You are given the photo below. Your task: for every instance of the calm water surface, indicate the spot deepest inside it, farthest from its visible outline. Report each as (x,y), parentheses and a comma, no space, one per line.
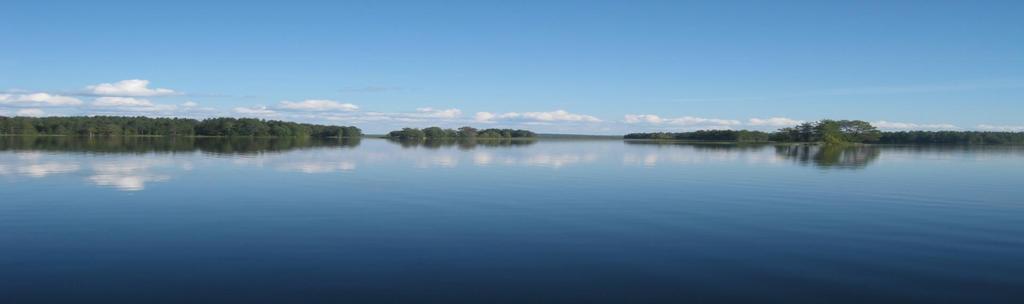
(285,221)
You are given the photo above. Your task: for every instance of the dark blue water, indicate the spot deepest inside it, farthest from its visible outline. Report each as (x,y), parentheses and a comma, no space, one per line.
(285,221)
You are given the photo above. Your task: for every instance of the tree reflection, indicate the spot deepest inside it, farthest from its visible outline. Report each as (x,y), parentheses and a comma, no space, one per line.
(830,156)
(218,145)
(702,146)
(463,144)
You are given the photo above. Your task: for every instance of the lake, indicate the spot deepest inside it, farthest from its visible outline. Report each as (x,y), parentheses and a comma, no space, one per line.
(153,220)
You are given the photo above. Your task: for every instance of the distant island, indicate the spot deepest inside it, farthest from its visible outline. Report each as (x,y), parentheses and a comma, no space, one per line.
(146,126)
(839,132)
(461,133)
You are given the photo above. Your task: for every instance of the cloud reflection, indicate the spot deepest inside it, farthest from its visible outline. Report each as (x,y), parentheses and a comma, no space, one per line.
(313,167)
(550,160)
(45,169)
(126,176)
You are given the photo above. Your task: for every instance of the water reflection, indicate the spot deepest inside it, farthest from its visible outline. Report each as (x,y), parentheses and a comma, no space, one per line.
(464,144)
(830,156)
(128,175)
(317,167)
(653,153)
(536,159)
(701,146)
(45,169)
(134,164)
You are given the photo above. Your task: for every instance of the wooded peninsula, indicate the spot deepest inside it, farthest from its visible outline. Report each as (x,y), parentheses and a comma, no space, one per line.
(463,132)
(146,126)
(838,132)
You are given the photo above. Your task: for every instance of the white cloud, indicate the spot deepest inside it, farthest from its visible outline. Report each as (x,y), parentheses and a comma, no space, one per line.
(257,110)
(778,122)
(130,87)
(892,125)
(643,118)
(484,116)
(130,104)
(435,113)
(318,105)
(193,107)
(559,115)
(426,114)
(38,99)
(1001,128)
(30,112)
(685,121)
(553,116)
(121,102)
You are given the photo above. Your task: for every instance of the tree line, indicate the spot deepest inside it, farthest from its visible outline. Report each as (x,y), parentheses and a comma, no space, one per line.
(838,132)
(146,126)
(463,133)
(150,144)
(706,135)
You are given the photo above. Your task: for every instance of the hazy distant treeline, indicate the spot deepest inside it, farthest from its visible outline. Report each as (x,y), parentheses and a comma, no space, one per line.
(463,132)
(840,131)
(145,126)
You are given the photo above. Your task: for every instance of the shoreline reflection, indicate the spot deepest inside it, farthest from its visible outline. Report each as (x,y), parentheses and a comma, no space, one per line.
(830,156)
(463,144)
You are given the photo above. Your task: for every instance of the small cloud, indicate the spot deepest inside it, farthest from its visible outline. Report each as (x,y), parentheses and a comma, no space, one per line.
(685,121)
(193,107)
(484,116)
(777,122)
(446,113)
(535,117)
(425,114)
(559,115)
(38,99)
(892,125)
(121,102)
(130,87)
(318,105)
(257,110)
(30,112)
(131,104)
(1001,128)
(643,118)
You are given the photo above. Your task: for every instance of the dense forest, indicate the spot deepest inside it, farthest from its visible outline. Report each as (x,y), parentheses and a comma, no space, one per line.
(952,137)
(171,144)
(463,132)
(145,126)
(706,135)
(841,131)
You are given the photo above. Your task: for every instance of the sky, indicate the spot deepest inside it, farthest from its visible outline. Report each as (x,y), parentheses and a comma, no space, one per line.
(587,67)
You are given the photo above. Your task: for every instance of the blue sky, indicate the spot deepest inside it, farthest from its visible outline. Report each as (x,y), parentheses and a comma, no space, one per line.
(568,66)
